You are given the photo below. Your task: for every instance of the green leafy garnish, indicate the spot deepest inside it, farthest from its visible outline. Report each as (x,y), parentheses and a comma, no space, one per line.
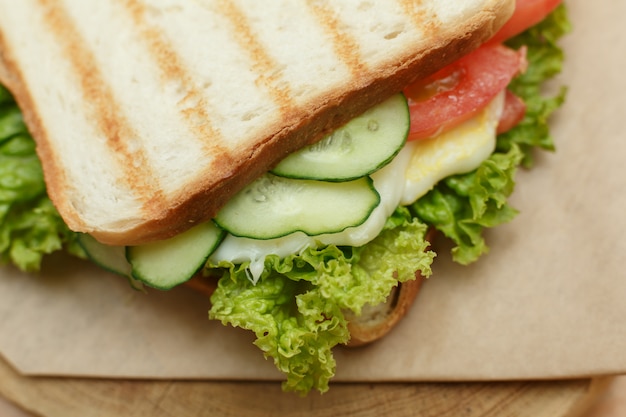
(296,308)
(462,206)
(545,59)
(30,226)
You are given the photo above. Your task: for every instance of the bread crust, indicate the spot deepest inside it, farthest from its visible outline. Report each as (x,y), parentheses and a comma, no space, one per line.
(374,324)
(369,327)
(201,200)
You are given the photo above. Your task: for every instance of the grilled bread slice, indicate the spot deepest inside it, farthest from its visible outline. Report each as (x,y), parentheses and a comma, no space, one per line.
(150,115)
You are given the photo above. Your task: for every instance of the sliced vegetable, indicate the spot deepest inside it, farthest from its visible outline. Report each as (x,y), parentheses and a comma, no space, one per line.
(274,206)
(459,91)
(527,13)
(168,263)
(110,258)
(359,148)
(162,264)
(513,112)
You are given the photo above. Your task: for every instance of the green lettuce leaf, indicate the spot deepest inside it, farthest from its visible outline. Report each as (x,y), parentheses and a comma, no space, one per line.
(462,206)
(296,309)
(30,226)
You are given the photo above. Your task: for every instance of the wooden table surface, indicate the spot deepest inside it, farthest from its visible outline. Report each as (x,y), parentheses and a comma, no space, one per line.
(66,397)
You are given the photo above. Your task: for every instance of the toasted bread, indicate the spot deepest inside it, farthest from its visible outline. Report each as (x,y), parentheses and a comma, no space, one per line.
(376,321)
(149,116)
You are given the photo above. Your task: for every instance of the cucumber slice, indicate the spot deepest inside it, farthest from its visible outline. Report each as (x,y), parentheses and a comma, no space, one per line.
(168,263)
(110,258)
(274,206)
(359,148)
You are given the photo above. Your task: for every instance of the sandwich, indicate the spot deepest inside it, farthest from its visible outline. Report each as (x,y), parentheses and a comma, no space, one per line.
(292,159)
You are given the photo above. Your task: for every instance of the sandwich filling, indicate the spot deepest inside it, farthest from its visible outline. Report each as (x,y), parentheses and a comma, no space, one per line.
(409,176)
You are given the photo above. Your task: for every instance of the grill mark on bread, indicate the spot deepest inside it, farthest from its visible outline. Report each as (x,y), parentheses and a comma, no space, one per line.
(263,64)
(345,46)
(423,17)
(193,106)
(103,109)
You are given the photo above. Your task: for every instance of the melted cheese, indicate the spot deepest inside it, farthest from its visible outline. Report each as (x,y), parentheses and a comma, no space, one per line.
(412,173)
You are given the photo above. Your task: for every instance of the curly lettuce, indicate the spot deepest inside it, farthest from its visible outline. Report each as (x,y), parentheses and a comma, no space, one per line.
(545,59)
(30,226)
(462,206)
(296,309)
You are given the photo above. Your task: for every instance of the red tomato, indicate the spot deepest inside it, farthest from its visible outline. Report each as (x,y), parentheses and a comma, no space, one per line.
(527,13)
(460,90)
(512,114)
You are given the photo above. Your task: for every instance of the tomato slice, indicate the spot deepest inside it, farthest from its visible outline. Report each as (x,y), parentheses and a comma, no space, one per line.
(513,112)
(460,90)
(527,13)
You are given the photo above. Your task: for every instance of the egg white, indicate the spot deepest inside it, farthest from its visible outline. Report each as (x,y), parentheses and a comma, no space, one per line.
(412,173)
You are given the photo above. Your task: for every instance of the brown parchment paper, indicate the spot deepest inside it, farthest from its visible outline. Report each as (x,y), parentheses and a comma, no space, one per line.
(548,301)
